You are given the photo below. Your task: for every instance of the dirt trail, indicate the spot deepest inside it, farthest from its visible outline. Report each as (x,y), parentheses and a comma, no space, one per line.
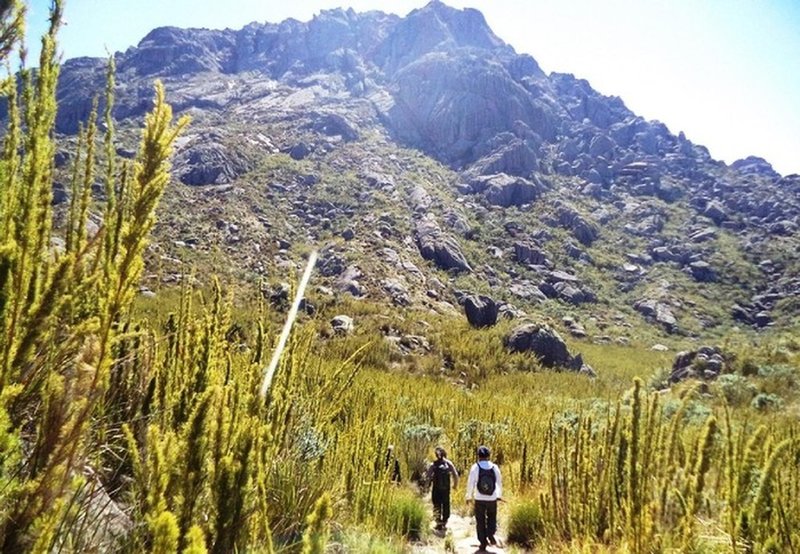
(461,535)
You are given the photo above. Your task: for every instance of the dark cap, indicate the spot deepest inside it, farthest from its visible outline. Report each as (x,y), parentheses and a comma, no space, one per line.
(483,452)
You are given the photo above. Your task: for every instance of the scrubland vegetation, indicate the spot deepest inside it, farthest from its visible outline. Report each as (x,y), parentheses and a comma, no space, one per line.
(138,426)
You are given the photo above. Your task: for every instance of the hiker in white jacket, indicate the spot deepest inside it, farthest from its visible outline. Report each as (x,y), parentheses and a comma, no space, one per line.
(485,486)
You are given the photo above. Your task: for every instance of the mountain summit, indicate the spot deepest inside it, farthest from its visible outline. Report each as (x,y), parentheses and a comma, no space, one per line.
(430,143)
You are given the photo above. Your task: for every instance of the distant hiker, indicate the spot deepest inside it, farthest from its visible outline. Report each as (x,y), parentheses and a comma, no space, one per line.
(438,475)
(388,465)
(485,485)
(392,464)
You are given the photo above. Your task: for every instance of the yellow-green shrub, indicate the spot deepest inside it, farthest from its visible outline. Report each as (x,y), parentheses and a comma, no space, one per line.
(525,523)
(406,514)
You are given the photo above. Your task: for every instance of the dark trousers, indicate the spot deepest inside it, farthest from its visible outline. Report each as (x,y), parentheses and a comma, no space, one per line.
(441,505)
(485,520)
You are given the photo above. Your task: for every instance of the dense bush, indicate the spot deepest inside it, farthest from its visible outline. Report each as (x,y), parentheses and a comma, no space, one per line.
(418,439)
(778,378)
(737,390)
(765,402)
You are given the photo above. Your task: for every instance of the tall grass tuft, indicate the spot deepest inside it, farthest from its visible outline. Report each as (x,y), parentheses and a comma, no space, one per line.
(406,514)
(525,524)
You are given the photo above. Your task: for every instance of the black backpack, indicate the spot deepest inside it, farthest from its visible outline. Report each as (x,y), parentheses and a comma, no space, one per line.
(486,481)
(441,475)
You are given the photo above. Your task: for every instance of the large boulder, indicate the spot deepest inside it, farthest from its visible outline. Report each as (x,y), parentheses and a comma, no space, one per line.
(751,314)
(646,226)
(570,293)
(702,271)
(109,522)
(716,212)
(333,124)
(703,235)
(543,341)
(601,145)
(420,199)
(546,344)
(526,253)
(481,311)
(331,264)
(753,165)
(663,254)
(60,194)
(527,290)
(505,190)
(440,248)
(348,281)
(657,312)
(517,157)
(397,291)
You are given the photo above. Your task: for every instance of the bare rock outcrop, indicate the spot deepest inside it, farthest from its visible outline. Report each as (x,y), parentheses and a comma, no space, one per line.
(439,247)
(657,312)
(546,344)
(707,362)
(208,161)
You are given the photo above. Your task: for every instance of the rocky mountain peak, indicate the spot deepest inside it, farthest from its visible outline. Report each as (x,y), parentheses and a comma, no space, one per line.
(753,165)
(176,51)
(466,27)
(435,28)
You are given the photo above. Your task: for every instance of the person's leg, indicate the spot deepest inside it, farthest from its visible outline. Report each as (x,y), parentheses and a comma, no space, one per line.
(445,507)
(480,522)
(491,521)
(437,506)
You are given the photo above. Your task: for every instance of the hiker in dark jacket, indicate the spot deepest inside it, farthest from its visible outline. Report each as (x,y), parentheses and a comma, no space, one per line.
(438,475)
(485,485)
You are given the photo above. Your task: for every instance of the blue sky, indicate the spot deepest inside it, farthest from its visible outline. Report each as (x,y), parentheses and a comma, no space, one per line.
(726,72)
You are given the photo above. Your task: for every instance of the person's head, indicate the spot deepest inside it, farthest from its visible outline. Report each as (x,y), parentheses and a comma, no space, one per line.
(440,452)
(483,453)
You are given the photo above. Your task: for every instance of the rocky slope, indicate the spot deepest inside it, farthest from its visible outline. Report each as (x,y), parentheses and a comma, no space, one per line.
(428,159)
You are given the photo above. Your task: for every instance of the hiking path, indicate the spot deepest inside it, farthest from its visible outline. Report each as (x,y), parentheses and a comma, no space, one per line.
(460,537)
